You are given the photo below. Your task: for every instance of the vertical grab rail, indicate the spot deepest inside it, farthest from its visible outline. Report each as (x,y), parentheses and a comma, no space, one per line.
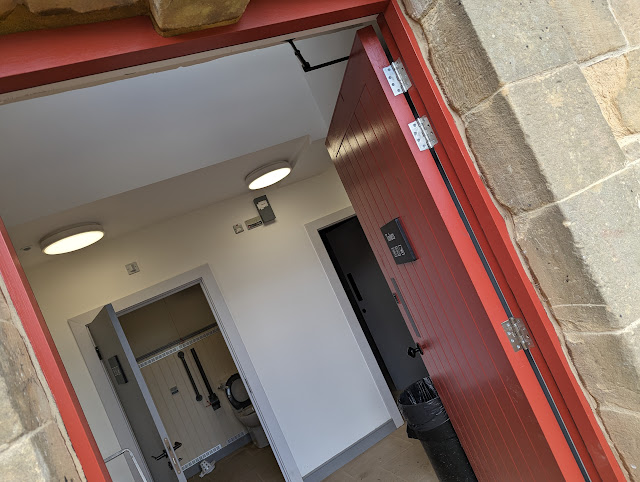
(213,398)
(135,462)
(193,383)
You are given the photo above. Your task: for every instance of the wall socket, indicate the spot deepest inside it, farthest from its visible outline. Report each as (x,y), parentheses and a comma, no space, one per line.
(132,268)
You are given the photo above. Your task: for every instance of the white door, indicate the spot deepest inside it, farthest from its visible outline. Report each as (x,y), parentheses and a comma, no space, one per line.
(160,453)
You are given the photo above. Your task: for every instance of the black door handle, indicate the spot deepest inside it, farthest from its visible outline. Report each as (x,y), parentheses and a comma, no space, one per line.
(412,352)
(193,383)
(354,287)
(164,454)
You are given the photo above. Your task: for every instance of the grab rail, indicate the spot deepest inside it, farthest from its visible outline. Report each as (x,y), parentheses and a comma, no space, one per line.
(213,398)
(193,383)
(135,462)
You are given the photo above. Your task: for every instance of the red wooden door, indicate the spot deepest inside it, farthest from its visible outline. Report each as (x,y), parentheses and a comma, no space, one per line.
(490,392)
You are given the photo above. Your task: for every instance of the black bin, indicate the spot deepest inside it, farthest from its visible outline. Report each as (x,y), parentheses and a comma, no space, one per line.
(428,422)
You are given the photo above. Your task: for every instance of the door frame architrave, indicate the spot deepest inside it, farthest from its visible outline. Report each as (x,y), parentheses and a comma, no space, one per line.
(313,231)
(202,276)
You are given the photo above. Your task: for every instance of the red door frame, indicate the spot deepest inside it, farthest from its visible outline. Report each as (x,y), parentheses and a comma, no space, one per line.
(50,362)
(496,243)
(37,58)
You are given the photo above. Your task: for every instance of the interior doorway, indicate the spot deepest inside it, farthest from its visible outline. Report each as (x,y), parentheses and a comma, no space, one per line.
(373,303)
(177,384)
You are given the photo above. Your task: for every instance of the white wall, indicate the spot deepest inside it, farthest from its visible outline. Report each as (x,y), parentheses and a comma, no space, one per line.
(305,354)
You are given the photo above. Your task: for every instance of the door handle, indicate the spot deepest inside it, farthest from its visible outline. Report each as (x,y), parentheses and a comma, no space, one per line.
(193,383)
(164,454)
(354,287)
(412,352)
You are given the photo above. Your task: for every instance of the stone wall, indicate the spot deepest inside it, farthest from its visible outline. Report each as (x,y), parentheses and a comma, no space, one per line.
(169,17)
(548,94)
(34,445)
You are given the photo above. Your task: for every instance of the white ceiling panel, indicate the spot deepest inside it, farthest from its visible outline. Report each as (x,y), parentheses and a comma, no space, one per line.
(73,148)
(134,152)
(153,203)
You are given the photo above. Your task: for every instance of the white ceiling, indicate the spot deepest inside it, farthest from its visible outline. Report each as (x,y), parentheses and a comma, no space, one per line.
(153,203)
(87,155)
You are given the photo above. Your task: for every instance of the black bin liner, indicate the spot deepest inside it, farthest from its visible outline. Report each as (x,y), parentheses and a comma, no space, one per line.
(428,422)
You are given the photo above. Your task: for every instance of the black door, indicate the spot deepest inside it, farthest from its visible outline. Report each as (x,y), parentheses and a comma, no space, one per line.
(373,302)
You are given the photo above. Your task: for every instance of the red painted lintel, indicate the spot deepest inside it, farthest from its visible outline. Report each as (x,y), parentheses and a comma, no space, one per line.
(41,57)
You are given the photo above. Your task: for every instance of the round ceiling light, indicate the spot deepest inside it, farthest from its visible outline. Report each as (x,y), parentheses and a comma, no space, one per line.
(71,238)
(267,175)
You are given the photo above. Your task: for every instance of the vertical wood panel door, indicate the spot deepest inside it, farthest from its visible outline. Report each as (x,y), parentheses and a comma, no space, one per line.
(194,422)
(491,393)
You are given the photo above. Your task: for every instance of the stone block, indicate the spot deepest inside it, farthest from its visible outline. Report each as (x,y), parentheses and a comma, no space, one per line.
(631,147)
(5,312)
(23,402)
(628,99)
(42,456)
(590,26)
(458,59)
(55,453)
(542,139)
(173,17)
(505,158)
(170,17)
(477,46)
(585,253)
(63,13)
(609,365)
(6,7)
(626,12)
(417,9)
(558,267)
(48,7)
(624,426)
(615,83)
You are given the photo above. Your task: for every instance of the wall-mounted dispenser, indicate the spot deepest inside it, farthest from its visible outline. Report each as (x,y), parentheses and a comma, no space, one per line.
(264,209)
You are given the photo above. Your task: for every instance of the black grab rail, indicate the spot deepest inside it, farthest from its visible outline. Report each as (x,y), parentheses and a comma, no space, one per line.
(193,383)
(213,398)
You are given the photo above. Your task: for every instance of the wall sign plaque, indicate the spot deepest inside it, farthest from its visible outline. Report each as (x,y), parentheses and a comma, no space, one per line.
(397,242)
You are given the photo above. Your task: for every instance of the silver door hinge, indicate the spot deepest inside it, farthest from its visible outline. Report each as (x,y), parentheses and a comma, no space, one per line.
(517,334)
(397,77)
(423,133)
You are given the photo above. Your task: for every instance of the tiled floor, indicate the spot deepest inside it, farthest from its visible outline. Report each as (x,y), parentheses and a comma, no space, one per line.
(396,458)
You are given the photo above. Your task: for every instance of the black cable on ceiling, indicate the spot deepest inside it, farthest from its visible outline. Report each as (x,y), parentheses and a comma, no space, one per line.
(306,66)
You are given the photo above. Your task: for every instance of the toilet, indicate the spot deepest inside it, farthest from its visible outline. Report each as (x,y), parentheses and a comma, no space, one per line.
(244,411)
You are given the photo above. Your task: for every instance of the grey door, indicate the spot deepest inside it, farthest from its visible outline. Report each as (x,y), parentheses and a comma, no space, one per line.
(373,302)
(129,385)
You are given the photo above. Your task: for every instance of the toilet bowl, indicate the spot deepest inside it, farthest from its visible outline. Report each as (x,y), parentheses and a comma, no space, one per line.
(244,411)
